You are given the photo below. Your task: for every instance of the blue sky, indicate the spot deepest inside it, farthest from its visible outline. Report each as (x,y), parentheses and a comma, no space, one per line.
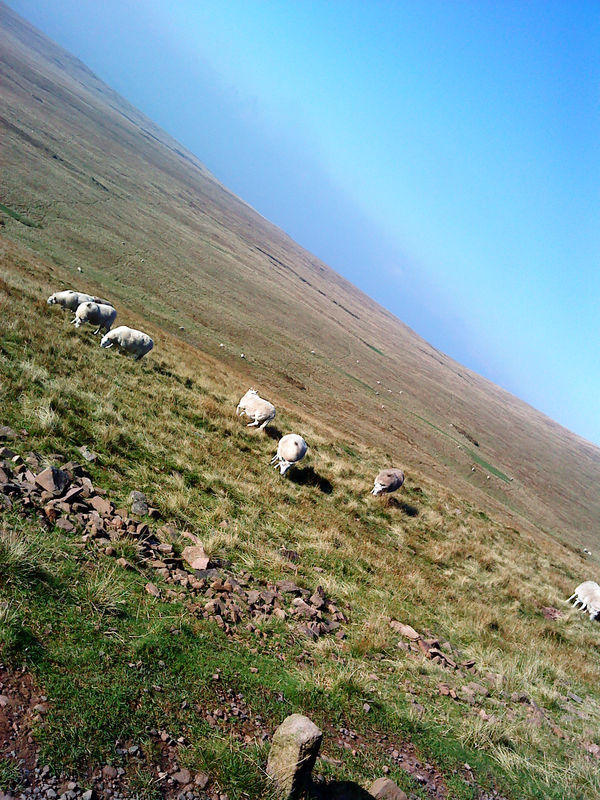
(443,156)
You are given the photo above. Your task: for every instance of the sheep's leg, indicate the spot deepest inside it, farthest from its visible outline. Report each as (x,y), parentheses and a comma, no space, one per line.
(275,458)
(74,320)
(262,427)
(253,424)
(112,344)
(96,332)
(571,598)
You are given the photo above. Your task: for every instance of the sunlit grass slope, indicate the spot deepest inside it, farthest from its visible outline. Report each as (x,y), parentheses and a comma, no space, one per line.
(89,181)
(115,662)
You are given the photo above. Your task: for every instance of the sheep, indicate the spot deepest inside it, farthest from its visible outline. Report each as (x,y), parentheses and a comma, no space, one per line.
(587,594)
(129,340)
(96,314)
(253,406)
(388,480)
(290,450)
(72,300)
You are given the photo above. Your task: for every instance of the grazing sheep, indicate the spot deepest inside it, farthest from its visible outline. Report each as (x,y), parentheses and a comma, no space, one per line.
(96,314)
(253,406)
(72,300)
(291,449)
(587,594)
(129,340)
(388,480)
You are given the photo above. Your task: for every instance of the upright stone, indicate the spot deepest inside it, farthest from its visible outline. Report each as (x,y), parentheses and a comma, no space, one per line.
(386,789)
(293,754)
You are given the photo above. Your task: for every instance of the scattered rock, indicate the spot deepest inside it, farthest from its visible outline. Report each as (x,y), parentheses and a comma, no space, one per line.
(183,776)
(404,630)
(195,556)
(89,455)
(53,480)
(386,789)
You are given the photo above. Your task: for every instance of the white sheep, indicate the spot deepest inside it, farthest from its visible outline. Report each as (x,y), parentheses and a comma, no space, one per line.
(131,341)
(290,450)
(96,314)
(388,480)
(72,300)
(587,594)
(253,406)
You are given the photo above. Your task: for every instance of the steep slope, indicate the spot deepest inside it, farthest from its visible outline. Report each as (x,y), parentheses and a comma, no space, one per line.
(89,182)
(148,666)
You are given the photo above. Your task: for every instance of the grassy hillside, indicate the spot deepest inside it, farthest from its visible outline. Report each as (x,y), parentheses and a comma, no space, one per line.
(119,668)
(88,181)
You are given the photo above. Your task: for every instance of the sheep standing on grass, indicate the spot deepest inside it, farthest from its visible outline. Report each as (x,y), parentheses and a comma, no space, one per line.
(129,340)
(290,450)
(388,480)
(587,594)
(96,314)
(72,300)
(253,406)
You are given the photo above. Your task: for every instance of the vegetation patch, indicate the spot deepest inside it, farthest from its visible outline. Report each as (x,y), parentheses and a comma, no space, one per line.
(19,217)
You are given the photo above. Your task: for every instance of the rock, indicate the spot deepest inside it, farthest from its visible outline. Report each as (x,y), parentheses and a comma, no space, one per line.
(65,524)
(195,556)
(101,505)
(293,753)
(404,630)
(201,780)
(7,433)
(108,772)
(89,795)
(288,587)
(183,776)
(152,589)
(53,480)
(386,789)
(139,508)
(87,454)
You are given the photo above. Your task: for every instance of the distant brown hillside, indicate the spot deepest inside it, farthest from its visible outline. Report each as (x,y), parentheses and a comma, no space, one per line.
(89,182)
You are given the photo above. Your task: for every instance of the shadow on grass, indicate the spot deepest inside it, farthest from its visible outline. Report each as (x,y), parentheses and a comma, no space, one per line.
(407,508)
(273,433)
(339,790)
(306,476)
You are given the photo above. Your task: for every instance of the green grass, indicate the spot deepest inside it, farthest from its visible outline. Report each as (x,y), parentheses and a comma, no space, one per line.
(19,217)
(116,663)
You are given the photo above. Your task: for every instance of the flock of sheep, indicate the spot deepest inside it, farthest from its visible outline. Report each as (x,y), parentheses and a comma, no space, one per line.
(291,448)
(102,313)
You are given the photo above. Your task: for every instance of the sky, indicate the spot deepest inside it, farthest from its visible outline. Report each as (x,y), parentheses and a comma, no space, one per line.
(443,156)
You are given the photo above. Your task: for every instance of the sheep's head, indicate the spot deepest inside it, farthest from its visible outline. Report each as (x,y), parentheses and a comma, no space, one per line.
(106,340)
(52,300)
